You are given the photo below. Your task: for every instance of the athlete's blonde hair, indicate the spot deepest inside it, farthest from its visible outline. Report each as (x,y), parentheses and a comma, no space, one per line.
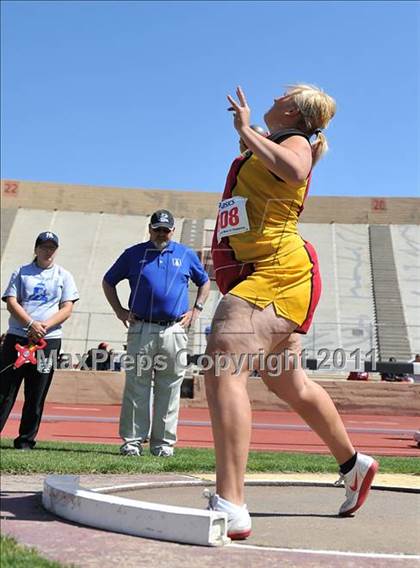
(317,109)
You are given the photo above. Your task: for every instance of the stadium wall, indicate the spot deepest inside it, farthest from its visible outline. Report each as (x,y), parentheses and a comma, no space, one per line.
(197,205)
(372,397)
(97,223)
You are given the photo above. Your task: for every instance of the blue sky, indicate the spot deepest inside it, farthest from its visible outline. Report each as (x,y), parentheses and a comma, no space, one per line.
(133,94)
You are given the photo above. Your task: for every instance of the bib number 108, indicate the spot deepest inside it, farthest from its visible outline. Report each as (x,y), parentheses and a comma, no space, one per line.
(230,217)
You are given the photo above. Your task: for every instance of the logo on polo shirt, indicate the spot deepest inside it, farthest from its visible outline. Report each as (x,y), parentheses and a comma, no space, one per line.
(176,261)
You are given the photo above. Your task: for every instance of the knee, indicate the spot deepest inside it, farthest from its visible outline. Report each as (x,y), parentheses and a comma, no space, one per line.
(294,397)
(280,387)
(219,360)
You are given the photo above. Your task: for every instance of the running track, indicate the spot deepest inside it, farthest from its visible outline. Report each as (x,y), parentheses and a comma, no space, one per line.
(272,430)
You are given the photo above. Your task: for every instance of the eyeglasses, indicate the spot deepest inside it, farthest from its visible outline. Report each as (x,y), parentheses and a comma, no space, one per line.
(161,230)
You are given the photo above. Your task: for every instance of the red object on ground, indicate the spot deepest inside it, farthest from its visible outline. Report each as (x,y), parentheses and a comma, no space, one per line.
(358,376)
(27,352)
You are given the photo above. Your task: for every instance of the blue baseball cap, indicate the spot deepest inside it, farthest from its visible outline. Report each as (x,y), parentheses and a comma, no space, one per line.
(46,236)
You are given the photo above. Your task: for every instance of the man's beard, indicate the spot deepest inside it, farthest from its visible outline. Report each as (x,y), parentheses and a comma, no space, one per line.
(161,244)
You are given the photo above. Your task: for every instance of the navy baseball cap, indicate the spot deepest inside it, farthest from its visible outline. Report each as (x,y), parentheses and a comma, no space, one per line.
(162,218)
(46,236)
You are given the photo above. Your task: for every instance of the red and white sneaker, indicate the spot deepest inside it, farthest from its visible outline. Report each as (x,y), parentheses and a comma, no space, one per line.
(239,520)
(357,483)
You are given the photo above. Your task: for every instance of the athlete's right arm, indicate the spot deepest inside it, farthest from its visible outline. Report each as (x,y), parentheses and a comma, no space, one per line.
(291,160)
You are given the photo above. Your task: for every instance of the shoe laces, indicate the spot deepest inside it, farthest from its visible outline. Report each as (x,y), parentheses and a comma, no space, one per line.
(135,443)
(340,480)
(211,497)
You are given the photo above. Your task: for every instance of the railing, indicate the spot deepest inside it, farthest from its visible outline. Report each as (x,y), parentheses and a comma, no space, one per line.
(85,330)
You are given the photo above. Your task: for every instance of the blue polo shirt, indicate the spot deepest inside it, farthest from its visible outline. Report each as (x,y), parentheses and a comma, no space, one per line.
(158,279)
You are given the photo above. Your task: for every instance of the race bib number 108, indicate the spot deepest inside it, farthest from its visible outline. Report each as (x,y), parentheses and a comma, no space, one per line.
(232,218)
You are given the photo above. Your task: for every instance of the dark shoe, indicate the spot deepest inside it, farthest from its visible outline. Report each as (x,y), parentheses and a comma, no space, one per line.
(23,447)
(23,444)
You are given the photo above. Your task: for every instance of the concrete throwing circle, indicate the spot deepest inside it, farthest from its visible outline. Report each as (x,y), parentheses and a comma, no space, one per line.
(303,516)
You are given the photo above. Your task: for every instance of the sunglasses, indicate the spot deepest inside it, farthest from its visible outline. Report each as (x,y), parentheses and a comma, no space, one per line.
(161,230)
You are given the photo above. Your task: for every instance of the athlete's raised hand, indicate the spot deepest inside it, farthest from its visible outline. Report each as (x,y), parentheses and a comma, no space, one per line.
(240,109)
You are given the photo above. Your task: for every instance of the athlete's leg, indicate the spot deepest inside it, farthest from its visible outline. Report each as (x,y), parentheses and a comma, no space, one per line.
(238,330)
(309,400)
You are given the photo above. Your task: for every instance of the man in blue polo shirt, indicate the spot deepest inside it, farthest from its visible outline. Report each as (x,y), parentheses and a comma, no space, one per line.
(158,316)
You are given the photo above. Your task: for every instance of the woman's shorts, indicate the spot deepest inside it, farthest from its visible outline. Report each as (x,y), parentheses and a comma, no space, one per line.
(291,283)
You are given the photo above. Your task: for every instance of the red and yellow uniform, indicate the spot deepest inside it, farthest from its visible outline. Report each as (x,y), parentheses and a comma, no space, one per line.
(270,263)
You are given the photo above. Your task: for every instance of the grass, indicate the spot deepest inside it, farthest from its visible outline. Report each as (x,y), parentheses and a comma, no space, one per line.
(13,555)
(79,458)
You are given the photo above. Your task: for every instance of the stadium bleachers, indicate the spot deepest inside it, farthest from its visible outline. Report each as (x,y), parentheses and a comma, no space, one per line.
(391,325)
(91,241)
(406,244)
(324,333)
(355,287)
(345,312)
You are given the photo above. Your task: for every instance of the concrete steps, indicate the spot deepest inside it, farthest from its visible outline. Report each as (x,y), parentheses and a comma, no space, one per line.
(392,333)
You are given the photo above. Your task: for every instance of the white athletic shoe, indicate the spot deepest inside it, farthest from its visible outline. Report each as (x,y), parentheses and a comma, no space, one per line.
(239,521)
(133,448)
(357,484)
(416,437)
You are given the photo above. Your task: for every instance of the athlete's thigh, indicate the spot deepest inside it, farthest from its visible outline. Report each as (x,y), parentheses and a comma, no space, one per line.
(239,326)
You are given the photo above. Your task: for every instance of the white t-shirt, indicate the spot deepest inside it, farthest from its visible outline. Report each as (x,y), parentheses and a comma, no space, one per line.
(40,291)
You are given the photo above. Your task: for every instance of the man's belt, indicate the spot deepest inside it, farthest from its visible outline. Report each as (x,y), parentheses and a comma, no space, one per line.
(164,323)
